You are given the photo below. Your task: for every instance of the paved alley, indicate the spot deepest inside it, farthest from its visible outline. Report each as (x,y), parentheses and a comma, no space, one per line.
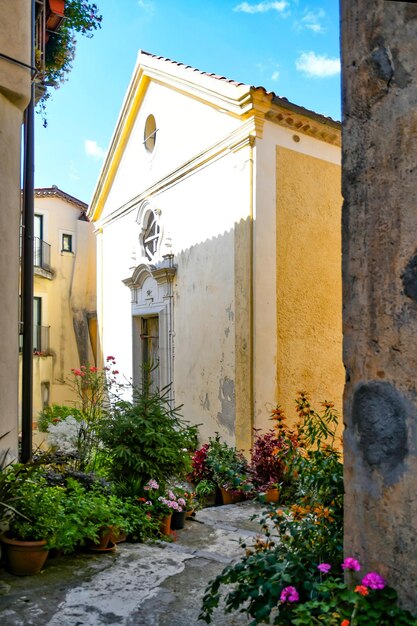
(158,584)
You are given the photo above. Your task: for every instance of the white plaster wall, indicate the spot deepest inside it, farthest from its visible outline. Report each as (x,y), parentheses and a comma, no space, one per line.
(198,215)
(265,307)
(115,319)
(185,126)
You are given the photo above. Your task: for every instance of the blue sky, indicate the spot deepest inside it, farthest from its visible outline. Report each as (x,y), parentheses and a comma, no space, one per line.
(290,47)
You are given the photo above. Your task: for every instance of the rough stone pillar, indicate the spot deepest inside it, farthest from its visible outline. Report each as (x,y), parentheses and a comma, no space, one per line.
(379,59)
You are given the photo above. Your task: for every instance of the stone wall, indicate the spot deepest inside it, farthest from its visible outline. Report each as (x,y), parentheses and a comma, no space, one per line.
(379,52)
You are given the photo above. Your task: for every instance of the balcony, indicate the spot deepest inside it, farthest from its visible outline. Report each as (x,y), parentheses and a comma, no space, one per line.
(41,254)
(40,340)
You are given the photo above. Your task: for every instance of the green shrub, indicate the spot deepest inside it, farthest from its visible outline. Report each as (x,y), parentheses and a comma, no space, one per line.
(227,465)
(144,439)
(56,413)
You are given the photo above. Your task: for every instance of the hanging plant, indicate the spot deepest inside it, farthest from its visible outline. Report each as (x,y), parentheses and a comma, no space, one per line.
(82,17)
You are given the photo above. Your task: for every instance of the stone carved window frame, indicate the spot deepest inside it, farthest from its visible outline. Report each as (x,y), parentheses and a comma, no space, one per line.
(159,302)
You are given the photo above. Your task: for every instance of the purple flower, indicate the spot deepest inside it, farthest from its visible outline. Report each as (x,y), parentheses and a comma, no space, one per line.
(373,581)
(324,568)
(152,484)
(289,594)
(350,563)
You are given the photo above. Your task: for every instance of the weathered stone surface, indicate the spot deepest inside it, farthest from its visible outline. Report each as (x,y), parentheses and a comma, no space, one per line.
(379,51)
(159,584)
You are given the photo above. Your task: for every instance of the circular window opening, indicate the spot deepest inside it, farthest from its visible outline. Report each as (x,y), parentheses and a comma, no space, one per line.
(150,133)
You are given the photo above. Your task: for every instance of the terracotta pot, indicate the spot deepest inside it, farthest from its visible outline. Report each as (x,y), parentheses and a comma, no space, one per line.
(118,536)
(178,520)
(230,497)
(165,524)
(272,495)
(103,541)
(24,558)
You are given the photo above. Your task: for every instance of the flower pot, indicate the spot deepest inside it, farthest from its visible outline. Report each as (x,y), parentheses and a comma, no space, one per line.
(178,520)
(103,541)
(230,497)
(24,558)
(165,524)
(118,536)
(272,495)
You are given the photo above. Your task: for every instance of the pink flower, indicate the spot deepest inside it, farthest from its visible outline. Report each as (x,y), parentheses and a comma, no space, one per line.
(181,501)
(152,484)
(324,568)
(373,581)
(352,564)
(289,594)
(171,495)
(77,372)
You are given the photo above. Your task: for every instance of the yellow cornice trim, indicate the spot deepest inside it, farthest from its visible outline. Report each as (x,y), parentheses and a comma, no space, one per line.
(233,100)
(120,138)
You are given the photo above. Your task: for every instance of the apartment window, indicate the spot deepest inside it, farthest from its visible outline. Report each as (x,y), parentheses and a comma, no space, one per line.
(66,243)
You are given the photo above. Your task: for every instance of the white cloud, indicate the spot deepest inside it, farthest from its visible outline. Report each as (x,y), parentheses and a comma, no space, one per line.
(92,149)
(275,75)
(317,65)
(262,7)
(147,5)
(311,20)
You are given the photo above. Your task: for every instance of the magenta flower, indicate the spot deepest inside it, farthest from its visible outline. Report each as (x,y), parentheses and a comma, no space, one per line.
(352,564)
(324,568)
(289,594)
(373,581)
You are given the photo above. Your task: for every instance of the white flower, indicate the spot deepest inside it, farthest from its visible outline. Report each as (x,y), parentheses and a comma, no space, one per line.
(63,436)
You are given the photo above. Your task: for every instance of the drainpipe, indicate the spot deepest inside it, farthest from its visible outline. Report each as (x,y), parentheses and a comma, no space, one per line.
(27,263)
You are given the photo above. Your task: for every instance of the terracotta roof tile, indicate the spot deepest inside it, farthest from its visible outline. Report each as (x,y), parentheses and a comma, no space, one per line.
(274,97)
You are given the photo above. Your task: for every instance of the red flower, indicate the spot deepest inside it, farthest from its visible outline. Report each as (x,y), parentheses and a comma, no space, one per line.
(115,371)
(110,358)
(362,590)
(345,622)
(93,369)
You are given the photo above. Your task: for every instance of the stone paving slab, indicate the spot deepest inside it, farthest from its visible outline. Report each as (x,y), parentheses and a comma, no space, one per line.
(153,584)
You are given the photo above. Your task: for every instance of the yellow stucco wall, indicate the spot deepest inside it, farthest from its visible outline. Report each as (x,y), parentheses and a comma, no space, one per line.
(309,281)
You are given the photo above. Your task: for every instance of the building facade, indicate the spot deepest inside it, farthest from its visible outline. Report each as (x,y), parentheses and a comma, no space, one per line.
(15,84)
(64,329)
(217,214)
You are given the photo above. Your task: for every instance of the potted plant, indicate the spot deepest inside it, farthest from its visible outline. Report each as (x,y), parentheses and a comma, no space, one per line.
(106,517)
(35,530)
(229,470)
(266,466)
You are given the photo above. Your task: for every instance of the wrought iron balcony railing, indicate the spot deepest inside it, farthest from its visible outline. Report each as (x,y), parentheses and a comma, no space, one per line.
(40,340)
(41,254)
